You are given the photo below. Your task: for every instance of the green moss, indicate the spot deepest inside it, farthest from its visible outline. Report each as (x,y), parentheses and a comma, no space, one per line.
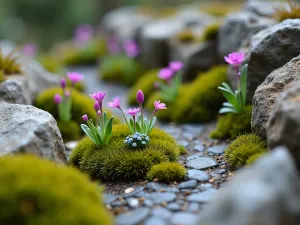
(81,104)
(252,159)
(167,172)
(117,162)
(120,69)
(9,64)
(69,130)
(288,11)
(232,125)
(80,86)
(183,151)
(146,84)
(39,192)
(186,36)
(242,148)
(211,32)
(1,76)
(51,63)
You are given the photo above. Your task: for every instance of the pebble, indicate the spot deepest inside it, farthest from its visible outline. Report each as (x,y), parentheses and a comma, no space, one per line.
(108,198)
(194,156)
(199,148)
(158,197)
(129,190)
(194,129)
(156,186)
(174,206)
(217,149)
(162,213)
(193,207)
(201,163)
(133,202)
(206,186)
(133,217)
(188,184)
(71,145)
(202,197)
(155,221)
(197,175)
(135,192)
(183,143)
(184,218)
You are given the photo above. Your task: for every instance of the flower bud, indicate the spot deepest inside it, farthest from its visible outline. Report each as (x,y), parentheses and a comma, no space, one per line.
(140,97)
(85,117)
(63,83)
(57,98)
(96,106)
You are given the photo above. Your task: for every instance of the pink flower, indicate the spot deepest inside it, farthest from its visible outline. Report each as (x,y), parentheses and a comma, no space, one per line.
(96,106)
(131,48)
(113,45)
(29,50)
(83,33)
(75,77)
(115,103)
(85,117)
(98,96)
(67,93)
(165,74)
(133,111)
(175,66)
(63,83)
(159,106)
(57,98)
(235,58)
(140,97)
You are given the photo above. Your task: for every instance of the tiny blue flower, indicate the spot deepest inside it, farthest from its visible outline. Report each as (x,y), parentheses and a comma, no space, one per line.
(134,136)
(144,142)
(147,138)
(125,141)
(130,139)
(139,138)
(134,144)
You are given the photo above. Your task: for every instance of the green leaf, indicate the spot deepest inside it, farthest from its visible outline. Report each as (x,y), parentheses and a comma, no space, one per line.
(226,86)
(227,110)
(227,104)
(105,119)
(230,97)
(151,125)
(243,81)
(138,127)
(131,124)
(108,131)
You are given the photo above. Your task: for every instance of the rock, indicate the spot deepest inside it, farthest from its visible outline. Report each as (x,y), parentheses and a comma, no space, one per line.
(136,191)
(188,184)
(191,16)
(197,175)
(283,127)
(156,186)
(155,221)
(28,129)
(201,163)
(193,207)
(203,197)
(266,94)
(133,217)
(174,206)
(265,193)
(183,143)
(184,218)
(15,91)
(206,186)
(161,213)
(194,156)
(218,173)
(194,129)
(199,148)
(217,149)
(239,27)
(133,202)
(109,198)
(161,197)
(154,42)
(270,49)
(262,8)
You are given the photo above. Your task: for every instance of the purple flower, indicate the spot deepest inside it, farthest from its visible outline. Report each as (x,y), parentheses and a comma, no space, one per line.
(83,33)
(115,103)
(67,93)
(166,74)
(98,96)
(175,66)
(113,45)
(57,98)
(75,77)
(140,97)
(159,106)
(97,106)
(133,111)
(85,117)
(29,50)
(63,83)
(131,48)
(235,58)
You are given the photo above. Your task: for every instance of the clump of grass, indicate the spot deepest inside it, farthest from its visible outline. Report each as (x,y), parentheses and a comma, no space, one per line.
(9,64)
(289,11)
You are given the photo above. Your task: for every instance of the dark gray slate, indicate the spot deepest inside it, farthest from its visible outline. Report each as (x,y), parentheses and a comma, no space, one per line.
(197,175)
(217,149)
(160,197)
(201,163)
(188,184)
(132,217)
(203,197)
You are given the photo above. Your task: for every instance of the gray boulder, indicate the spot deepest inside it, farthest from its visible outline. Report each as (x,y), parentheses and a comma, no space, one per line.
(266,94)
(270,49)
(262,8)
(283,127)
(266,193)
(26,129)
(239,27)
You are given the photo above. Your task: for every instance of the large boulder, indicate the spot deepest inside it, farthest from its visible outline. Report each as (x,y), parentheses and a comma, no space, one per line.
(270,49)
(266,94)
(283,127)
(26,129)
(239,27)
(266,193)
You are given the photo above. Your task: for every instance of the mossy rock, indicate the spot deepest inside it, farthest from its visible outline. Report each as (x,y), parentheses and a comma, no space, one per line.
(242,148)
(146,84)
(118,162)
(167,172)
(39,192)
(70,130)
(210,33)
(232,125)
(81,104)
(120,69)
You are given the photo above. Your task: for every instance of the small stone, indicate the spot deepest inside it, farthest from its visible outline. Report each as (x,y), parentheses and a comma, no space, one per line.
(174,206)
(202,197)
(161,213)
(188,184)
(155,221)
(129,190)
(172,190)
(193,207)
(118,203)
(184,218)
(155,186)
(159,198)
(133,217)
(148,203)
(183,143)
(201,163)
(136,192)
(206,186)
(194,156)
(217,149)
(108,198)
(194,129)
(133,202)
(217,173)
(199,148)
(197,175)
(71,145)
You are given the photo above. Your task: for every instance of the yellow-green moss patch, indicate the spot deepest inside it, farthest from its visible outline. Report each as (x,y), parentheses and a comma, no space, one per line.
(70,130)
(211,32)
(167,172)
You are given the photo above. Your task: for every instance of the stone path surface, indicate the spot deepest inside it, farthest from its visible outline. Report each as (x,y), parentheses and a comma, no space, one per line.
(154,203)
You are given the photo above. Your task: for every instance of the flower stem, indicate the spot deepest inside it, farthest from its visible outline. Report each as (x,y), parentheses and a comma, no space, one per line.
(125,118)
(237,77)
(142,118)
(134,125)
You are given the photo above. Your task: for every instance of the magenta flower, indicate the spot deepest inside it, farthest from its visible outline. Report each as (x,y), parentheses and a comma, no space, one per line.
(98,96)
(67,93)
(140,97)
(235,58)
(29,50)
(131,48)
(63,83)
(113,45)
(133,111)
(57,98)
(115,103)
(96,106)
(165,74)
(85,117)
(175,66)
(83,33)
(159,106)
(75,77)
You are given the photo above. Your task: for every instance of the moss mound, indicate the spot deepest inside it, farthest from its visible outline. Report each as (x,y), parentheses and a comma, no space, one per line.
(69,130)
(252,159)
(211,32)
(117,162)
(9,64)
(39,192)
(146,84)
(167,172)
(120,69)
(288,11)
(232,125)
(81,104)
(186,36)
(242,148)
(51,63)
